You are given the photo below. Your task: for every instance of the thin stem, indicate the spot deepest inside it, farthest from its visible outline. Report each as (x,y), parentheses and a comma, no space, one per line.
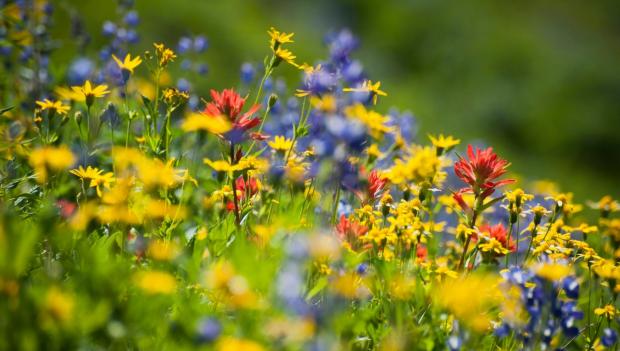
(127,134)
(589,300)
(234,189)
(167,135)
(268,71)
(335,204)
(472,224)
(260,129)
(157,77)
(529,247)
(88,125)
(517,245)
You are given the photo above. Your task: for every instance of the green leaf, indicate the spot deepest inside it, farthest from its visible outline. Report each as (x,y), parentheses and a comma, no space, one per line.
(318,287)
(5,109)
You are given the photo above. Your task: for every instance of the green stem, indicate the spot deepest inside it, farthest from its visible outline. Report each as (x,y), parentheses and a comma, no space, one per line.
(335,204)
(268,71)
(127,134)
(472,224)
(233,186)
(167,135)
(529,247)
(508,241)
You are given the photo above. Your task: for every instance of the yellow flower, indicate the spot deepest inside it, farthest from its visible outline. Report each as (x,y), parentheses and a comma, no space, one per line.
(516,198)
(128,63)
(373,152)
(53,106)
(281,144)
(494,246)
(164,54)
(443,143)
(420,164)
(539,211)
(606,205)
(86,174)
(96,176)
(162,250)
(59,305)
(68,94)
(286,56)
(326,103)
(173,96)
(552,271)
(369,87)
(212,124)
(323,268)
(443,271)
(156,282)
(374,121)
(232,344)
(154,172)
(278,38)
(221,165)
(50,158)
(402,287)
(88,93)
(564,202)
(463,232)
(350,286)
(608,311)
(457,296)
(254,165)
(295,168)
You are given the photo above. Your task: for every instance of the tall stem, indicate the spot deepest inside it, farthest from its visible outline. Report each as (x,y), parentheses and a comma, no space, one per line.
(268,71)
(233,161)
(474,216)
(167,135)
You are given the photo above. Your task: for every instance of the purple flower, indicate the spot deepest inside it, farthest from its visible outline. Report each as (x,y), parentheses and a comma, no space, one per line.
(208,330)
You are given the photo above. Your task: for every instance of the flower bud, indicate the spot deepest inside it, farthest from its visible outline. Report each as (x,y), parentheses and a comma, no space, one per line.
(78,116)
(273,98)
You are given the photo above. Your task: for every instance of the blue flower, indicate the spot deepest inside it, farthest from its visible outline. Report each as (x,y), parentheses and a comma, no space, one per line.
(341,44)
(184,45)
(132,19)
(108,29)
(502,330)
(318,82)
(183,84)
(609,337)
(362,269)
(208,330)
(202,69)
(200,44)
(454,343)
(79,71)
(247,73)
(132,37)
(571,287)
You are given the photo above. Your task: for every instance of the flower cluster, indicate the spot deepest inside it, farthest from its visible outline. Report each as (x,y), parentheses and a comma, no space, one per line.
(140,211)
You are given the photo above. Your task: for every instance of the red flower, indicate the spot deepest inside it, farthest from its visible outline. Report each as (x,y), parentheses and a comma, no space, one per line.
(376,184)
(499,233)
(67,208)
(421,252)
(244,187)
(350,230)
(228,103)
(480,172)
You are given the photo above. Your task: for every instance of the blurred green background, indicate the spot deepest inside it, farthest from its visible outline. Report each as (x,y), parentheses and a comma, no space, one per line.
(539,80)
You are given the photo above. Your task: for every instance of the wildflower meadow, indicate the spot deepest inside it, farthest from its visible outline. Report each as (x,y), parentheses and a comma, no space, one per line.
(139,213)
